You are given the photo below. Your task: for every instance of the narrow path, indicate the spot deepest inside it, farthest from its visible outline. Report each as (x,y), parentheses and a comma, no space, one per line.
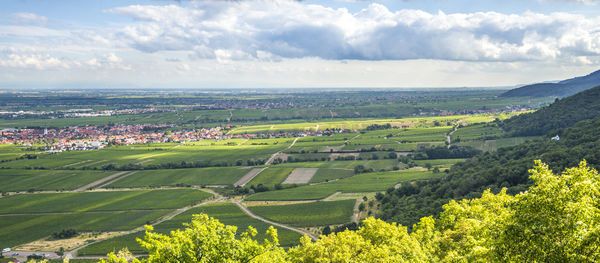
(230,116)
(69,165)
(353,138)
(294,142)
(97,182)
(356,213)
(242,142)
(449,136)
(116,179)
(248,212)
(317,129)
(273,156)
(249,176)
(331,196)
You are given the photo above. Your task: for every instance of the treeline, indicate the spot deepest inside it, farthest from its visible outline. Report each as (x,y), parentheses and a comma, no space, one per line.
(443,152)
(175,165)
(374,127)
(508,167)
(560,114)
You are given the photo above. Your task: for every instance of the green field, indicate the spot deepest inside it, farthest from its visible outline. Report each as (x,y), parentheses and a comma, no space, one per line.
(19,229)
(415,122)
(190,176)
(227,213)
(369,182)
(477,132)
(308,214)
(271,176)
(23,180)
(493,145)
(328,174)
(208,153)
(101,201)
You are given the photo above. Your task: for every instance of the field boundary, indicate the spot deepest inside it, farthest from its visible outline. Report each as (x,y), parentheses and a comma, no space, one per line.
(249,176)
(116,179)
(100,181)
(300,176)
(255,216)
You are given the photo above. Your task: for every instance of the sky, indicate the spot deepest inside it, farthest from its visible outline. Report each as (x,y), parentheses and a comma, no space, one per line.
(295,44)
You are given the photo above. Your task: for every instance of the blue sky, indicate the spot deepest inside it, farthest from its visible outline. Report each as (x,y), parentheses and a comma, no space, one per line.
(285,43)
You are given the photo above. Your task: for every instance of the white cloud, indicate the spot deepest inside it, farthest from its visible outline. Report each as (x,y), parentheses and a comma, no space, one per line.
(290,29)
(29,58)
(108,61)
(44,59)
(29,19)
(585,2)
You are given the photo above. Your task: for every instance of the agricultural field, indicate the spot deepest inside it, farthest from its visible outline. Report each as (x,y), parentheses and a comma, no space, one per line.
(418,122)
(150,155)
(100,201)
(328,174)
(227,213)
(28,217)
(368,182)
(477,132)
(493,145)
(23,228)
(179,177)
(271,176)
(29,180)
(318,213)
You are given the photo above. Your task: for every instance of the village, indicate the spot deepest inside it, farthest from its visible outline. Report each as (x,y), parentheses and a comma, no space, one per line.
(78,138)
(98,137)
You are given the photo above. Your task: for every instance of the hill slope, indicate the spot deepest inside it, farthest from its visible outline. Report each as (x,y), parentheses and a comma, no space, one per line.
(560,114)
(575,119)
(561,89)
(508,167)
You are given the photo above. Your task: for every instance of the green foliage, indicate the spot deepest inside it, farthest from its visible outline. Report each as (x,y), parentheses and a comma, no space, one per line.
(561,114)
(376,241)
(205,239)
(556,220)
(505,168)
(65,233)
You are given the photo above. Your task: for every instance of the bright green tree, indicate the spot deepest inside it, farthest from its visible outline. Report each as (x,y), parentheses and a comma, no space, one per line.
(205,239)
(375,241)
(557,219)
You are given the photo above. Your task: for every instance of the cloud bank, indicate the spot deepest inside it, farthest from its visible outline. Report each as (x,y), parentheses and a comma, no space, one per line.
(267,30)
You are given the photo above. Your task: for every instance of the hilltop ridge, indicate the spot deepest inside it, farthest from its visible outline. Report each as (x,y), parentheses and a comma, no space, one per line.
(559,89)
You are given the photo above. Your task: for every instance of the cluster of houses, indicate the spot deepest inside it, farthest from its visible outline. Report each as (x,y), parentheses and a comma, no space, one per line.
(73,113)
(97,137)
